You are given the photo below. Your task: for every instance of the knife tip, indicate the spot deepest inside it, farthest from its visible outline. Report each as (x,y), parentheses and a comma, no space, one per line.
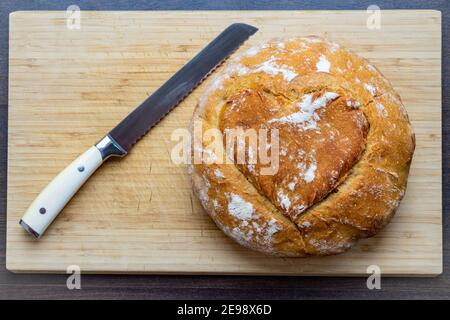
(246,27)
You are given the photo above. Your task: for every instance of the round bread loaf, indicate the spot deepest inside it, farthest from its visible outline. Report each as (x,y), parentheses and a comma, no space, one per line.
(344,145)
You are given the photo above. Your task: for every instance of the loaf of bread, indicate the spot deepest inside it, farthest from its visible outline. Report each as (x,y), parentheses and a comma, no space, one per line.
(344,145)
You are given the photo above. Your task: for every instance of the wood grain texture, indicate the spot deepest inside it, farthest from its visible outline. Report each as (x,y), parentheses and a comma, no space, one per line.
(68,87)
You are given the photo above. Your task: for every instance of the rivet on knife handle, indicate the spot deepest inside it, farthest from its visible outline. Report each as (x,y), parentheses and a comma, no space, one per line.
(122,137)
(63,187)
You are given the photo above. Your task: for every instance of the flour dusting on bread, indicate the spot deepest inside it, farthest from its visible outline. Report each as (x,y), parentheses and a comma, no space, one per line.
(284,200)
(306,117)
(309,174)
(271,67)
(240,208)
(323,65)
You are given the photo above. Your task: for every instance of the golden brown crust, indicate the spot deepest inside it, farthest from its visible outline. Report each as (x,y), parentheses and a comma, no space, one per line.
(359,144)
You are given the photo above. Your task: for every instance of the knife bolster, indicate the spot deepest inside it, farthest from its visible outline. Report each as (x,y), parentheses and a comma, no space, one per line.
(108,147)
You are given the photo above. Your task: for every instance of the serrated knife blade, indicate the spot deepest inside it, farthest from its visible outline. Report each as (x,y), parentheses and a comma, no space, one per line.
(145,116)
(121,138)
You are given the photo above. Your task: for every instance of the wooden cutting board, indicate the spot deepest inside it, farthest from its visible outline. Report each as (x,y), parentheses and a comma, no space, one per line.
(67,88)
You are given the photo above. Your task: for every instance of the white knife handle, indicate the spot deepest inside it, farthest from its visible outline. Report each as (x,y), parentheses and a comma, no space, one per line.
(63,187)
(60,190)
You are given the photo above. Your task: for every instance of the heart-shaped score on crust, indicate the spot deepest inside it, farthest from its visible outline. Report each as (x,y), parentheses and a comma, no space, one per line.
(321,125)
(343,148)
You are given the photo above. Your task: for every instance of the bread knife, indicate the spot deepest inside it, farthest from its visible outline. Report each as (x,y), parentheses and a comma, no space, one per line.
(119,141)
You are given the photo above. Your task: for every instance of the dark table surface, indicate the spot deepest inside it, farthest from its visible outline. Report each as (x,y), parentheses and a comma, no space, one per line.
(211,287)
